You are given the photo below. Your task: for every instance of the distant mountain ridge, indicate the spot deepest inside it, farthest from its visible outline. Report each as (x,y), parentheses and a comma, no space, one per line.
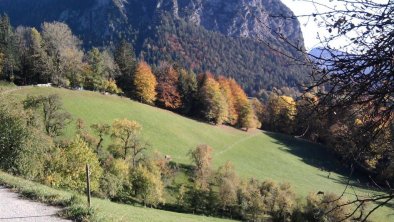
(222,36)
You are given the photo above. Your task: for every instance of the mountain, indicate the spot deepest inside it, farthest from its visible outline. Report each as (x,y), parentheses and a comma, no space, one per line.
(229,37)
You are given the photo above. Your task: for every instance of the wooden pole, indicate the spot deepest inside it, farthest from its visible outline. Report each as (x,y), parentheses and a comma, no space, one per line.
(88,184)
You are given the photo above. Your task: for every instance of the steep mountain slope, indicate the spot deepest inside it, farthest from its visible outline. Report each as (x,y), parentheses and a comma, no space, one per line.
(222,36)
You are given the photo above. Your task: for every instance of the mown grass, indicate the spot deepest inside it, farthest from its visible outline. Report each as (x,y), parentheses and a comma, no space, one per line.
(255,154)
(102,210)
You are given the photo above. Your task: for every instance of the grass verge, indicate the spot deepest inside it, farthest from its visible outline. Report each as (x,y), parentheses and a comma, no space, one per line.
(103,210)
(73,206)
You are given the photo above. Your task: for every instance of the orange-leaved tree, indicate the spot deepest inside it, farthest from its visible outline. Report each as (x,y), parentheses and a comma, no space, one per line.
(246,117)
(168,95)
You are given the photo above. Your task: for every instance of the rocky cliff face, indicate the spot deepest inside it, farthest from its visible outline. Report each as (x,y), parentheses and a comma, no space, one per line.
(237,18)
(100,19)
(217,35)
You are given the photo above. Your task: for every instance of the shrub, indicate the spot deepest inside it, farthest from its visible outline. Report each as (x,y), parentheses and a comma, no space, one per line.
(147,185)
(251,202)
(68,168)
(14,135)
(327,207)
(24,147)
(116,177)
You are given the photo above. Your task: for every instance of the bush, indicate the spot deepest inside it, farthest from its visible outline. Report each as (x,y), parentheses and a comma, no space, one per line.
(68,168)
(284,204)
(116,177)
(14,135)
(326,208)
(251,202)
(33,158)
(147,185)
(24,147)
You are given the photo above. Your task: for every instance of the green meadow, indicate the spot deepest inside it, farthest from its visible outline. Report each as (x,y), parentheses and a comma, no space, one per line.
(307,166)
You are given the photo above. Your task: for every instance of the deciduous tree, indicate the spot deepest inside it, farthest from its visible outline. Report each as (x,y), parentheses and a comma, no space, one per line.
(55,119)
(228,184)
(109,86)
(147,184)
(214,104)
(101,130)
(259,109)
(64,49)
(13,137)
(225,88)
(167,88)
(103,71)
(202,158)
(127,135)
(246,117)
(251,201)
(145,84)
(67,168)
(328,207)
(281,113)
(24,147)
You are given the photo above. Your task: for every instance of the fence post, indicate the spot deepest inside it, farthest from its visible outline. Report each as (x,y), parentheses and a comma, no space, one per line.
(88,184)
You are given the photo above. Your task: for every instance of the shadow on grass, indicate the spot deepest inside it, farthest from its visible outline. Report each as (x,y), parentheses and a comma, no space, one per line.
(310,153)
(354,182)
(319,156)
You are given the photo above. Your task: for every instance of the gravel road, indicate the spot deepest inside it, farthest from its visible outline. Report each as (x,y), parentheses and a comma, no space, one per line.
(13,208)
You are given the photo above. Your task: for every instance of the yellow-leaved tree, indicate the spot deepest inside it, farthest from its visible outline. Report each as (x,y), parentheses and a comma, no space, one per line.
(225,87)
(282,111)
(147,184)
(145,84)
(213,102)
(67,168)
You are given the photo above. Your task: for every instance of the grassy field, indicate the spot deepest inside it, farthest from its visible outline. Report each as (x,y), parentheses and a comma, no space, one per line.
(106,210)
(4,86)
(255,154)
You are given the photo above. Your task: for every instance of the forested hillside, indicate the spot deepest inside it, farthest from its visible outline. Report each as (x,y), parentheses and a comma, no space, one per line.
(225,37)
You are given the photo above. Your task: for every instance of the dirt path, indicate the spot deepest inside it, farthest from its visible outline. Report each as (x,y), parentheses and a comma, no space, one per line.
(13,208)
(236,143)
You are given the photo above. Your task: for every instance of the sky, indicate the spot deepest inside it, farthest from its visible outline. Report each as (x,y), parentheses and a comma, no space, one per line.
(309,27)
